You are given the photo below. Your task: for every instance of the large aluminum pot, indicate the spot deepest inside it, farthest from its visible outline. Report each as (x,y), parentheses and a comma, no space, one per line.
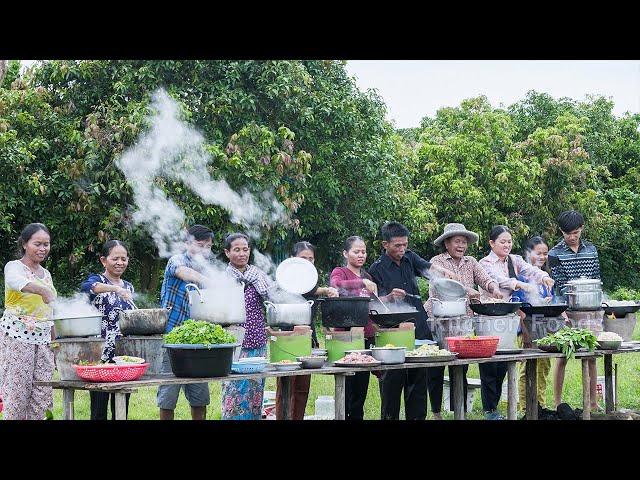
(224,305)
(143,321)
(87,326)
(285,314)
(503,326)
(449,308)
(584,294)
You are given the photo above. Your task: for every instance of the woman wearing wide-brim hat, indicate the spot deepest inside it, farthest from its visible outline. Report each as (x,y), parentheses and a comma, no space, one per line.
(455,240)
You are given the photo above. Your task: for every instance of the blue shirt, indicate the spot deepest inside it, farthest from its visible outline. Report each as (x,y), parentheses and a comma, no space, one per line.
(173,294)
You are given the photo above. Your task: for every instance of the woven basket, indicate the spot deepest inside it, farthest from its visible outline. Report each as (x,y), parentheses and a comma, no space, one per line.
(478,347)
(110,372)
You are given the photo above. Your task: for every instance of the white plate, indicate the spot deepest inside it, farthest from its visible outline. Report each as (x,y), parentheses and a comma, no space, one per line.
(297,275)
(252,360)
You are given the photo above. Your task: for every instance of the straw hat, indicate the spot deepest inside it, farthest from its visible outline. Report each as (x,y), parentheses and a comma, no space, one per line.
(453,229)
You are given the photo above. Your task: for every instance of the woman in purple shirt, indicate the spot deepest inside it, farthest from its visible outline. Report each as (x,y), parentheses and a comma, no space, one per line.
(242,399)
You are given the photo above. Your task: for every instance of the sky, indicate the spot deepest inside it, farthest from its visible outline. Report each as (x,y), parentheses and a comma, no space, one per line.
(413,89)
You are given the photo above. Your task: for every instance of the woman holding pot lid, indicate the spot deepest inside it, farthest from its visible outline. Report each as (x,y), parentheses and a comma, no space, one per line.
(456,239)
(25,328)
(109,293)
(504,267)
(300,384)
(242,399)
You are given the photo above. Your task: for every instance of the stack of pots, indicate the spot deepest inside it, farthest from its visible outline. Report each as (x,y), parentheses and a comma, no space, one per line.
(449,311)
(584,297)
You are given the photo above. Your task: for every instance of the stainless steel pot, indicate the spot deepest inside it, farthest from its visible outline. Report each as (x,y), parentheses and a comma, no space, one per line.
(86,326)
(584,294)
(449,308)
(224,305)
(285,314)
(143,321)
(389,355)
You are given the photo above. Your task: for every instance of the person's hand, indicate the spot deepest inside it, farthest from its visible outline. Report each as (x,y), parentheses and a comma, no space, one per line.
(525,286)
(396,293)
(445,272)
(473,294)
(124,294)
(332,292)
(549,282)
(48,296)
(547,299)
(494,290)
(369,285)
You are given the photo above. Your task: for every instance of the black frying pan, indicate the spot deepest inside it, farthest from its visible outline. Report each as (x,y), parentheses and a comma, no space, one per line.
(388,320)
(620,311)
(495,309)
(551,310)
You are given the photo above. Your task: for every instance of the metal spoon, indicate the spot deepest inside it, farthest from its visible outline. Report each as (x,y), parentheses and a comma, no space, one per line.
(387,308)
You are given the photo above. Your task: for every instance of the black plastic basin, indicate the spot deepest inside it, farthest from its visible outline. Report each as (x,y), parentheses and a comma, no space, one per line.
(201,360)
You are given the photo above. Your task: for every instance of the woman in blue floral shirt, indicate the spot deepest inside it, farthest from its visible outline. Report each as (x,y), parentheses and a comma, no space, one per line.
(109,293)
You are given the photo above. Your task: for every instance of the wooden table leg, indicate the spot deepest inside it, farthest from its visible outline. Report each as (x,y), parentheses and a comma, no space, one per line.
(608,383)
(531,390)
(339,396)
(67,403)
(121,406)
(586,391)
(285,394)
(458,392)
(512,384)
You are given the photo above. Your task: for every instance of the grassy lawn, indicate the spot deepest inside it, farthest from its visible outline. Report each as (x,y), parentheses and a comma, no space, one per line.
(143,403)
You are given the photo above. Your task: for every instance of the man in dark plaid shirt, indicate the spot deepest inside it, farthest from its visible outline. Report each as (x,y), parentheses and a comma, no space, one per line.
(181,270)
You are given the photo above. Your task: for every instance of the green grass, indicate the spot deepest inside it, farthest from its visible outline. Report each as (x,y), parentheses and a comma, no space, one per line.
(143,402)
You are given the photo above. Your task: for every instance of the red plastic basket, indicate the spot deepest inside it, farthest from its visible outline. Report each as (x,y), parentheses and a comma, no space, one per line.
(478,347)
(110,372)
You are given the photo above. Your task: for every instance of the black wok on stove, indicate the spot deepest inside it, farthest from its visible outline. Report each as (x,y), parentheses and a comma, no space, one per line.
(495,309)
(619,310)
(389,320)
(550,310)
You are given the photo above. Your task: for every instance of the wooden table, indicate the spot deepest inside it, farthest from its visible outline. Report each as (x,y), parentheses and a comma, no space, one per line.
(608,374)
(340,373)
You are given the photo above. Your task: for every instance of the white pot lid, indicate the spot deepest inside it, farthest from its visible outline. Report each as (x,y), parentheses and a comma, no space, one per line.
(448,289)
(297,275)
(584,281)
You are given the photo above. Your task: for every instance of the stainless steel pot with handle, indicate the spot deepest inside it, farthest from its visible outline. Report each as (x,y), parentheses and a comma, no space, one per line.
(287,314)
(584,294)
(224,305)
(449,308)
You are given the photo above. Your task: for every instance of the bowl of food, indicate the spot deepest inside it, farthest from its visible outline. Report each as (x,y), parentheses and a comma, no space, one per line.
(314,361)
(286,365)
(609,341)
(429,353)
(127,360)
(356,359)
(389,354)
(366,351)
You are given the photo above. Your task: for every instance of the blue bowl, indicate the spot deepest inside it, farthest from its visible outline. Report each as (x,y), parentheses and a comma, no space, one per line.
(237,367)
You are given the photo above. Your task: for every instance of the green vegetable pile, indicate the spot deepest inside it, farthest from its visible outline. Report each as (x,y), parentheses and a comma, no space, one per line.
(196,332)
(623,293)
(569,340)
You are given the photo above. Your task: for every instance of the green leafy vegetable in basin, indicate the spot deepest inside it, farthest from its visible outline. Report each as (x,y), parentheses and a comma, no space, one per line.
(569,340)
(194,332)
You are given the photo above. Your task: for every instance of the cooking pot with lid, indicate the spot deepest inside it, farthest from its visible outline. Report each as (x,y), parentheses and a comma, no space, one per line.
(286,314)
(449,308)
(224,306)
(583,294)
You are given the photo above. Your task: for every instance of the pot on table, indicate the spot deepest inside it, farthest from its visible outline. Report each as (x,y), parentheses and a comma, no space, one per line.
(288,314)
(224,306)
(584,294)
(449,308)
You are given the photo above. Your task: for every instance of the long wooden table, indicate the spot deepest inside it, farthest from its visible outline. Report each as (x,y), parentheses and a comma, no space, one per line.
(608,374)
(120,389)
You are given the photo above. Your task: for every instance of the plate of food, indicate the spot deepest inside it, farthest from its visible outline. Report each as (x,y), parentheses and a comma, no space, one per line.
(127,360)
(286,365)
(429,353)
(355,359)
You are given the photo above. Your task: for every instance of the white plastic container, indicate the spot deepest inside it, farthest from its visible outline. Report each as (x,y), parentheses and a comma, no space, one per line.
(325,407)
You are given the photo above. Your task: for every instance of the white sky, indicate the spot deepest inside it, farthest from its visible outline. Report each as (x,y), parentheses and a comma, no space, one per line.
(413,89)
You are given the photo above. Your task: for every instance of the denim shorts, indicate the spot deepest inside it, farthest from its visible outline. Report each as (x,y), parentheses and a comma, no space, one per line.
(167,397)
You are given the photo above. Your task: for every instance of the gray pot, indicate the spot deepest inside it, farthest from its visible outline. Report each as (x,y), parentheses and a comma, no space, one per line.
(449,308)
(584,294)
(224,305)
(389,355)
(145,321)
(287,314)
(86,326)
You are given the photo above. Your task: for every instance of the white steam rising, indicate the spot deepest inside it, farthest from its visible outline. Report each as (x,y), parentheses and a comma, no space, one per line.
(172,150)
(76,306)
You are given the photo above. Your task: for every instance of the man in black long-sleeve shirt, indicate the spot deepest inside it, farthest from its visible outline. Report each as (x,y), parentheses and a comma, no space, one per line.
(395,275)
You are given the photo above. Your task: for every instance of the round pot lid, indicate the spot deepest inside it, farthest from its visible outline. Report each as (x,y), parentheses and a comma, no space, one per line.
(585,281)
(448,289)
(297,275)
